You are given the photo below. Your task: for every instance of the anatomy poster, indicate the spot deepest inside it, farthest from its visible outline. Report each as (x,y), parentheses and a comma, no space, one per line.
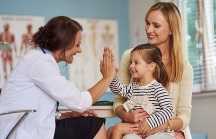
(15,40)
(97,34)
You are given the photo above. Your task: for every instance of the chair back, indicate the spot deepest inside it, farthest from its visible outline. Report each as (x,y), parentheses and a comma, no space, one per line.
(14,125)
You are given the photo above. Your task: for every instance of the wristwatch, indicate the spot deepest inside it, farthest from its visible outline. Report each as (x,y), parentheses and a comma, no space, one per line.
(58,115)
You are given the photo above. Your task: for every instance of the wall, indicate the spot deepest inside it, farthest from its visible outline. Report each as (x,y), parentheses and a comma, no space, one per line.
(99,9)
(204,114)
(95,9)
(137,12)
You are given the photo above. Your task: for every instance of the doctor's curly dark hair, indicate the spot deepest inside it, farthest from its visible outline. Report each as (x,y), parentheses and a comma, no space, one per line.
(57,34)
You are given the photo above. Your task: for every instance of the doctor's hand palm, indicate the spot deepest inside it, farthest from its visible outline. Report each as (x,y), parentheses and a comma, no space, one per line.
(107,67)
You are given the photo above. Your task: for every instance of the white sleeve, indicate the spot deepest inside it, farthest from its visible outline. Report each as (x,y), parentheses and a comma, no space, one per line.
(184,101)
(46,75)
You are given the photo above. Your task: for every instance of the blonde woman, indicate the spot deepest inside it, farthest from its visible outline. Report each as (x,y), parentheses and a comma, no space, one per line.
(164,30)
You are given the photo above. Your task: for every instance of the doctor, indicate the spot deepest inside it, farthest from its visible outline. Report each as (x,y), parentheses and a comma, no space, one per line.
(36,83)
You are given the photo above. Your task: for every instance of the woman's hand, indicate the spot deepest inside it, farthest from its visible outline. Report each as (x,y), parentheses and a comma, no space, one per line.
(70,114)
(88,113)
(107,67)
(125,128)
(73,114)
(117,131)
(144,128)
(135,116)
(161,128)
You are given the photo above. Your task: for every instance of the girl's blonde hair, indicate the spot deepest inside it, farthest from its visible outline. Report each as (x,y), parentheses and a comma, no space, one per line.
(173,17)
(151,54)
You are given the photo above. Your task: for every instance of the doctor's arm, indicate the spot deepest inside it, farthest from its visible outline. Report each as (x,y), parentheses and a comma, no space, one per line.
(46,75)
(108,72)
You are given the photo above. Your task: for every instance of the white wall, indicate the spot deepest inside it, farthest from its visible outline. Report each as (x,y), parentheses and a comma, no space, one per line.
(203,118)
(137,12)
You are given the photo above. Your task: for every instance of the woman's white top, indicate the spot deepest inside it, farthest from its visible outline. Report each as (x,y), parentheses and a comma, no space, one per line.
(36,83)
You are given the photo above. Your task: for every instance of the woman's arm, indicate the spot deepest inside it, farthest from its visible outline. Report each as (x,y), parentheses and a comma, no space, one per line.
(183,107)
(117,131)
(73,114)
(173,124)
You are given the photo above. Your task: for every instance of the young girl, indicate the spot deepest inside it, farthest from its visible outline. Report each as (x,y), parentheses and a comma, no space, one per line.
(145,91)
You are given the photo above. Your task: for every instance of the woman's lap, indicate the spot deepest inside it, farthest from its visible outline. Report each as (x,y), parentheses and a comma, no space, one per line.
(131,136)
(79,127)
(160,135)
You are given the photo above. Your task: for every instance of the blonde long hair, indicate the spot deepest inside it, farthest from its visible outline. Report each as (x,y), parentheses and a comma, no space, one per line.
(173,17)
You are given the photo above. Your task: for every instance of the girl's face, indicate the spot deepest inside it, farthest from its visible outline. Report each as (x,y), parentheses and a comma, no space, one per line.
(73,49)
(138,68)
(157,28)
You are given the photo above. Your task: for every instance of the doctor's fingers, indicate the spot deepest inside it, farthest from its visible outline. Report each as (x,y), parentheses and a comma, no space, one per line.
(108,63)
(108,56)
(91,113)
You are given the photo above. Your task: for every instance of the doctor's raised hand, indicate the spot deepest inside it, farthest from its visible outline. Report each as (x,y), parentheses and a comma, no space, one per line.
(108,72)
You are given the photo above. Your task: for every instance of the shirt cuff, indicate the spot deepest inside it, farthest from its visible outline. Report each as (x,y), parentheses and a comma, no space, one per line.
(86,100)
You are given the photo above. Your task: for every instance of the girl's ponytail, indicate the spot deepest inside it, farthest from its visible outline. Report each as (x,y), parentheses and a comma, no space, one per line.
(161,74)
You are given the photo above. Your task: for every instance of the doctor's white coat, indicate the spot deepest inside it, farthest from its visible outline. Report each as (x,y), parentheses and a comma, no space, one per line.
(36,83)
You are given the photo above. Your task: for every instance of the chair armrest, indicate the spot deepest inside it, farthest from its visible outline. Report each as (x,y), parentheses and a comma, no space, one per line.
(17,111)
(18,121)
